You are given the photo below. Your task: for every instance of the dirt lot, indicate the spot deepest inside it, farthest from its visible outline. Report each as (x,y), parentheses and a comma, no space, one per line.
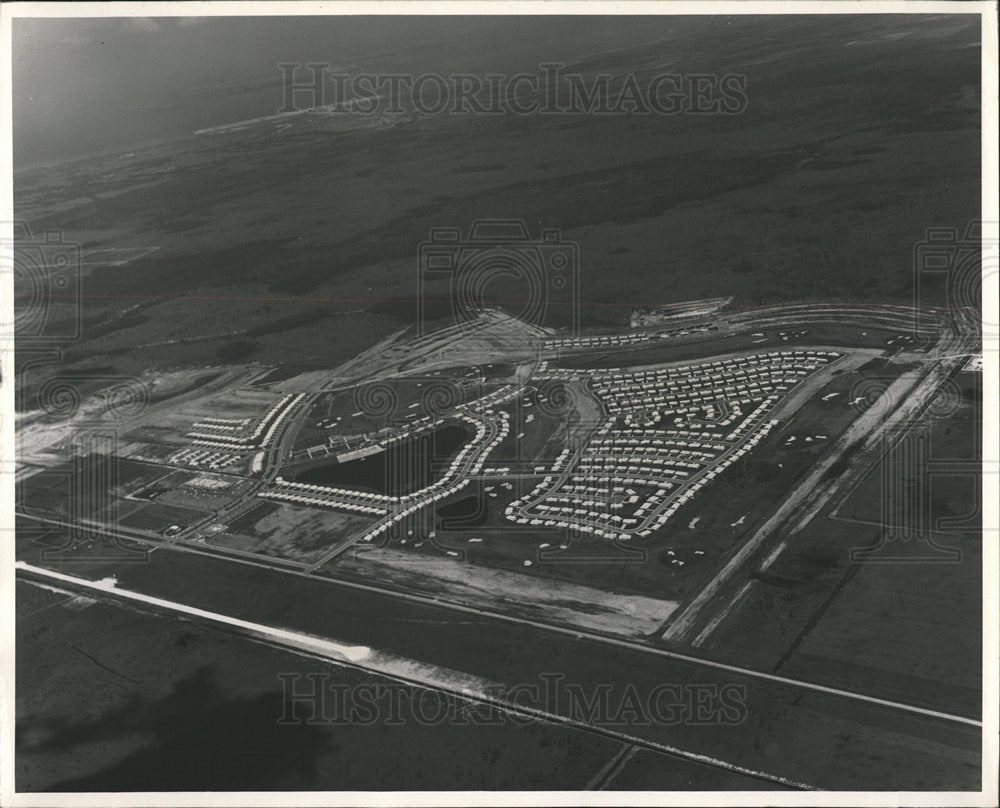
(550,601)
(158,518)
(292,532)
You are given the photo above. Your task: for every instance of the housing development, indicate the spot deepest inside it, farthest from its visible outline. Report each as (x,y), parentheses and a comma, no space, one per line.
(360,449)
(648,485)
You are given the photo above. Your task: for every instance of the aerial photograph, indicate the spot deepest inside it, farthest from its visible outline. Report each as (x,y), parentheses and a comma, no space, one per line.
(486,402)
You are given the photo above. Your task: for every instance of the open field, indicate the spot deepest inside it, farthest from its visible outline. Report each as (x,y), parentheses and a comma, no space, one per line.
(162,519)
(288,531)
(823,608)
(102,487)
(178,706)
(932,654)
(755,206)
(937,484)
(806,728)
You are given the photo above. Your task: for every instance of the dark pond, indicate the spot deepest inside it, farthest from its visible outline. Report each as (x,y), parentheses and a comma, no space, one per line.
(402,468)
(468,512)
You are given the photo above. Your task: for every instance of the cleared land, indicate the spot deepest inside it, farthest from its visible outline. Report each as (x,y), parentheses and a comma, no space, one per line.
(210,709)
(924,754)
(858,595)
(288,531)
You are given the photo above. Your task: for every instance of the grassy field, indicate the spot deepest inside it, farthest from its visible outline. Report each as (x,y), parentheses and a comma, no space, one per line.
(158,518)
(291,253)
(942,469)
(806,733)
(91,486)
(125,492)
(134,477)
(176,706)
(931,655)
(824,612)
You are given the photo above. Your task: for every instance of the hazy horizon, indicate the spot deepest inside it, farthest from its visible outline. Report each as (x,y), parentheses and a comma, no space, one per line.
(91,86)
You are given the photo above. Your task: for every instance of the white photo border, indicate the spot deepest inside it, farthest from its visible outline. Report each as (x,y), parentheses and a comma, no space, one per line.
(223,8)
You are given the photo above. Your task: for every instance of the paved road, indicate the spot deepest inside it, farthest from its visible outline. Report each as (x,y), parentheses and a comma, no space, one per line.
(790,729)
(909,394)
(402,670)
(615,642)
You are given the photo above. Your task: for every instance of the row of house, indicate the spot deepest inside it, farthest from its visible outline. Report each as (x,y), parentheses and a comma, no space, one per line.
(669,466)
(610,340)
(205,458)
(261,434)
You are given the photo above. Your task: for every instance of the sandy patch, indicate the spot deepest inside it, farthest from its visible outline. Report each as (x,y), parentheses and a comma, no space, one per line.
(525,596)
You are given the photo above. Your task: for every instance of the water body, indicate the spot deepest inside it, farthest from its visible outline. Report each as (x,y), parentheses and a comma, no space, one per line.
(468,512)
(402,468)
